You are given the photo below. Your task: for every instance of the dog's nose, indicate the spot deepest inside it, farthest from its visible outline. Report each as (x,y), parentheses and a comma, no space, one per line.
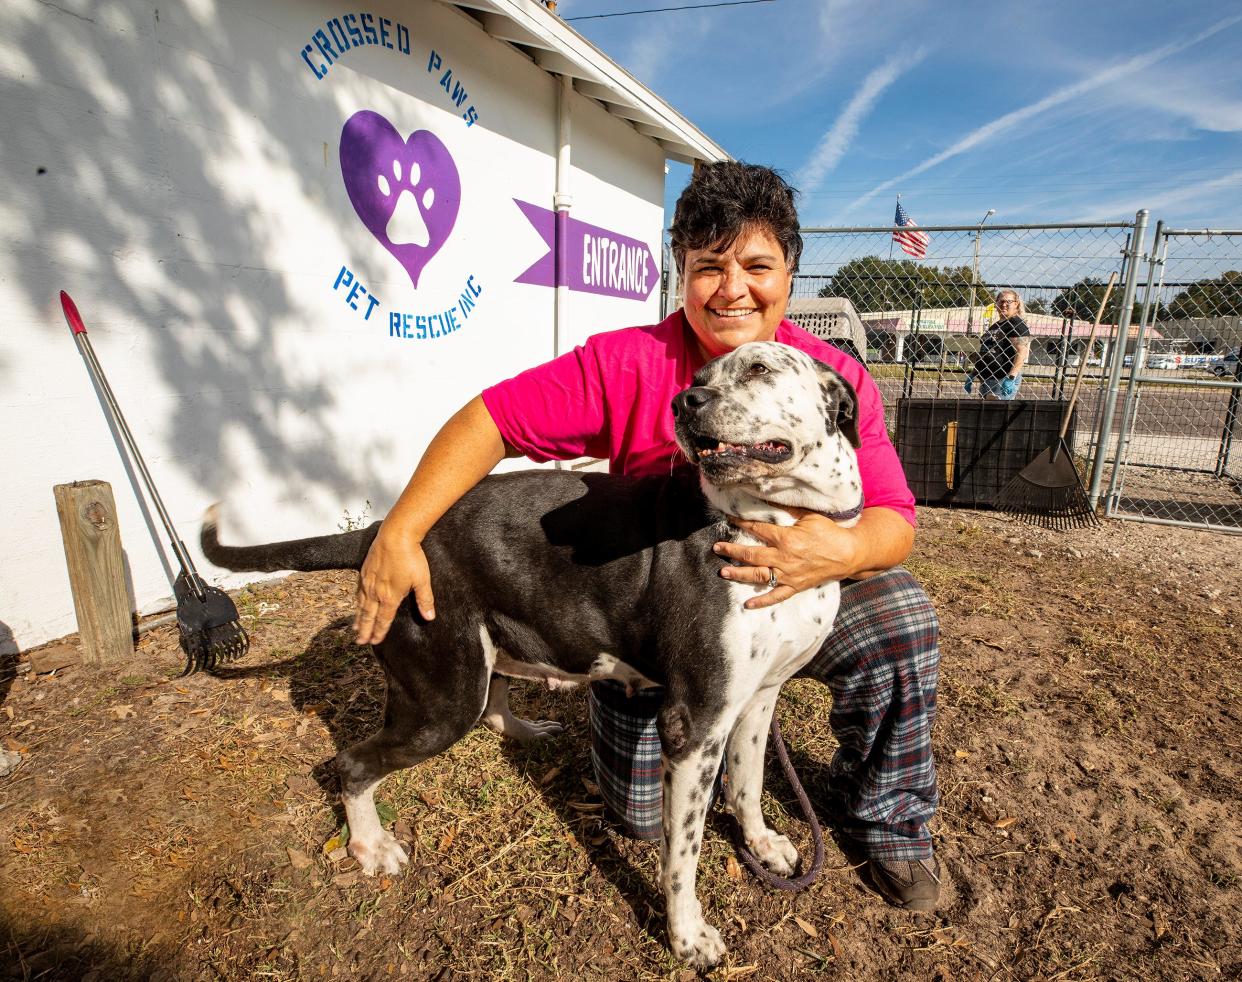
(692,400)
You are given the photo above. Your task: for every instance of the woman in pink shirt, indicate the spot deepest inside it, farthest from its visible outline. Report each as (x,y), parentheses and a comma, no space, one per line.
(735,238)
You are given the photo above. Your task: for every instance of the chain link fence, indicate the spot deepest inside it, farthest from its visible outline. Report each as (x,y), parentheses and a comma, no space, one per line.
(1157,431)
(1179,450)
(922,319)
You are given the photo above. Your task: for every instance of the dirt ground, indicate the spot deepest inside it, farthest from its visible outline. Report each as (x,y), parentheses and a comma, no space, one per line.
(1089,742)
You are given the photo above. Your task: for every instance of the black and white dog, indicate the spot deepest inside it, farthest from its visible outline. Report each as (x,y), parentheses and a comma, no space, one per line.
(566,576)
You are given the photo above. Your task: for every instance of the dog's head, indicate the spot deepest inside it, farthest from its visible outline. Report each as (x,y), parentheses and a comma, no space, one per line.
(769,418)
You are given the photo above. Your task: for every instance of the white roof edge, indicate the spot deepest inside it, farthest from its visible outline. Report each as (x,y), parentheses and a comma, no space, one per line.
(561,50)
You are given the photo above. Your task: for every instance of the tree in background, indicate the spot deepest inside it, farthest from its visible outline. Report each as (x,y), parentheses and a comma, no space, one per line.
(874,284)
(1220,297)
(1037,306)
(1082,300)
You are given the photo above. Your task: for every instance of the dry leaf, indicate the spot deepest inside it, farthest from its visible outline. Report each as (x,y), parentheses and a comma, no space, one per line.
(836,945)
(961,754)
(298,859)
(336,842)
(550,776)
(732,869)
(385,882)
(447,841)
(806,926)
(591,786)
(338,855)
(122,712)
(1004,823)
(586,806)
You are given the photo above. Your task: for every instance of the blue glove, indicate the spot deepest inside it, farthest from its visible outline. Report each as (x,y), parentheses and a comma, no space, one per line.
(1009,387)
(970,384)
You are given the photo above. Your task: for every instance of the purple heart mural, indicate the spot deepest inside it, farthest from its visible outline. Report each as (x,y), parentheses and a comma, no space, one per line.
(407,192)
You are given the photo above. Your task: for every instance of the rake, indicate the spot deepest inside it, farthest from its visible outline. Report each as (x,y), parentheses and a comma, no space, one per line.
(207,618)
(1048,491)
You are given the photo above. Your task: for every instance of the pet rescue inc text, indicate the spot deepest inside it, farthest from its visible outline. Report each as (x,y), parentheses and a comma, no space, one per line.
(422,327)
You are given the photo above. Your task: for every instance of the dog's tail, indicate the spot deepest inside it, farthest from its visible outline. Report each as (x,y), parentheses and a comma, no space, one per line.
(346,550)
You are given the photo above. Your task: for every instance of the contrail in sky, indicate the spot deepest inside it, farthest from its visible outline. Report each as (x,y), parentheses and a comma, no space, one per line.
(838,139)
(1057,98)
(1175,196)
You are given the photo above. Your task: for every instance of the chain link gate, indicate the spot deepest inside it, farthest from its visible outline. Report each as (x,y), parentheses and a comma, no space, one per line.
(923,320)
(1179,454)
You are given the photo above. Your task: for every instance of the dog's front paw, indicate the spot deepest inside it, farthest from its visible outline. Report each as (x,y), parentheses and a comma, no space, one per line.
(382,855)
(699,947)
(775,851)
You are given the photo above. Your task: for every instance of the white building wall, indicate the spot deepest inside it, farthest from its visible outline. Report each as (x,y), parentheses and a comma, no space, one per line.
(176,168)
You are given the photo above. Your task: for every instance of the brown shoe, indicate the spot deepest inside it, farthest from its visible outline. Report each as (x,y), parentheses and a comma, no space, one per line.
(908,884)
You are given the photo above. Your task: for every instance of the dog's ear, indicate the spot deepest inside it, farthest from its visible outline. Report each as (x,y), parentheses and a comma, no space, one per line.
(840,405)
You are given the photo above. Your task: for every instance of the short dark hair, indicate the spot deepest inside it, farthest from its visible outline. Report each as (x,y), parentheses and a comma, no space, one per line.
(724,199)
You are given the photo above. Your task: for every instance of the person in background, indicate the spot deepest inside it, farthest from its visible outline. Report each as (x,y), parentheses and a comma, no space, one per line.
(737,242)
(1003,350)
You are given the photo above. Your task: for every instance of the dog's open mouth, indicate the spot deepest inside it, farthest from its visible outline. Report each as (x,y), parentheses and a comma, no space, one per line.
(768,451)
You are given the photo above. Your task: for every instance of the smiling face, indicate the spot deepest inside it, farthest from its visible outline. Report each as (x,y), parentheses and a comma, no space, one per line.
(736,293)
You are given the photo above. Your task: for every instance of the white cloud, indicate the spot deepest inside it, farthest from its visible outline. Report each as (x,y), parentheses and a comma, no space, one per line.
(648,55)
(837,140)
(1198,194)
(1060,97)
(1199,103)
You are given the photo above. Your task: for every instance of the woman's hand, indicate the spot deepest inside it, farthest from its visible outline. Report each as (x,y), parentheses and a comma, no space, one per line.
(395,567)
(466,448)
(815,550)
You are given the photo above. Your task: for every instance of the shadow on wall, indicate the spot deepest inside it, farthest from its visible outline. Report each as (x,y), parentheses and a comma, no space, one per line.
(87,179)
(132,173)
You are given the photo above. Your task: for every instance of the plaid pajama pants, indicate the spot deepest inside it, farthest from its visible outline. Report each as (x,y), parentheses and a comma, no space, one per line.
(881,663)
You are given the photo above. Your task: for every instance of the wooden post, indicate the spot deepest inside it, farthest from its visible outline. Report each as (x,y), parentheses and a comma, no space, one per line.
(92,538)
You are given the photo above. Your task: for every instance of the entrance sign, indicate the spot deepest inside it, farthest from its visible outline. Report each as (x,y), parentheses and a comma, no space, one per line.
(596,260)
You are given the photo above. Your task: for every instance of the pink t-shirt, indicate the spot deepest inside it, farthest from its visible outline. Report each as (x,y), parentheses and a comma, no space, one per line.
(612,398)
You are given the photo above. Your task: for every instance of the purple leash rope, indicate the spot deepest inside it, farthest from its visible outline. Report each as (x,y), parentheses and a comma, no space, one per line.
(817,835)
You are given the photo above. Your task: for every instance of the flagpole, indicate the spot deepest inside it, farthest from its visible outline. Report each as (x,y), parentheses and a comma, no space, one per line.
(891,240)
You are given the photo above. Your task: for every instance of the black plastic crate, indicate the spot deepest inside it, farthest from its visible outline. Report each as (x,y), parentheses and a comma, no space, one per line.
(964,452)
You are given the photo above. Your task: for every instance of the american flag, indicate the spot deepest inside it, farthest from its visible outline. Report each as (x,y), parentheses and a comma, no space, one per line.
(913,243)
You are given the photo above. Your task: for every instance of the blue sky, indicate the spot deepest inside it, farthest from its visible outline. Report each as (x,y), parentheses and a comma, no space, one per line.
(1057,111)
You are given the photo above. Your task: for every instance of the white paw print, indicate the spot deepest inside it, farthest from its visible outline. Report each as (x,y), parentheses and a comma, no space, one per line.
(406,225)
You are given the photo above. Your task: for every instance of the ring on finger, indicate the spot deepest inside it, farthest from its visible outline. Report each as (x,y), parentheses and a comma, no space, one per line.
(771,578)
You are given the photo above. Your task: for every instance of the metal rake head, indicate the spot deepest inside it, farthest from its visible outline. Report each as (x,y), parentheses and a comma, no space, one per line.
(210,627)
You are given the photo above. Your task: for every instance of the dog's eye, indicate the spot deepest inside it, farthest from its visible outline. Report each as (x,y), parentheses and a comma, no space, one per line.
(757,369)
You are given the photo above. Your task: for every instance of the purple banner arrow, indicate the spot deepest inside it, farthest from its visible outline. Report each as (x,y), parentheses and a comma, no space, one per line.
(595,259)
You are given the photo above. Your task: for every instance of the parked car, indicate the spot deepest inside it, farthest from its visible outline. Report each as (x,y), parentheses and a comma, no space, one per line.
(1163,362)
(1227,366)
